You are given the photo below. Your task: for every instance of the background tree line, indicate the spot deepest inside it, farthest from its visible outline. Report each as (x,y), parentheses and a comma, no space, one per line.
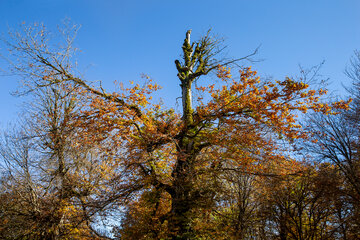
(234,163)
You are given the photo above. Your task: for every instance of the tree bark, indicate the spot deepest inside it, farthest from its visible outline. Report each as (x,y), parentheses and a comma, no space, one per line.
(183,174)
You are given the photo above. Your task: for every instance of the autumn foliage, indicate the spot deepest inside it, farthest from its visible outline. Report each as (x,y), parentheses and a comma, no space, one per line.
(225,167)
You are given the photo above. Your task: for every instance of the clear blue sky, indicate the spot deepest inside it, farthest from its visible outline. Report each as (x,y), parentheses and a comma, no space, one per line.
(121,39)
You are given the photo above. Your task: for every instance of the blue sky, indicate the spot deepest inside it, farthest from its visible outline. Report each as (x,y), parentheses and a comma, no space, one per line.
(122,39)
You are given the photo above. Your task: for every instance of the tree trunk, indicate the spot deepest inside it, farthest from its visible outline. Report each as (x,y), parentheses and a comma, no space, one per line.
(181,202)
(184,175)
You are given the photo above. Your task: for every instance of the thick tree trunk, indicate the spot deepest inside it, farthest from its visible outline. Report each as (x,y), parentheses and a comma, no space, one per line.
(184,175)
(182,202)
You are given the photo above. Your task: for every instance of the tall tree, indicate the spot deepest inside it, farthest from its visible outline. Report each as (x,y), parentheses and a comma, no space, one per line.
(335,138)
(51,178)
(175,161)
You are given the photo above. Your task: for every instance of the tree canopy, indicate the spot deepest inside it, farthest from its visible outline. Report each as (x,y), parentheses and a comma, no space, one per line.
(224,167)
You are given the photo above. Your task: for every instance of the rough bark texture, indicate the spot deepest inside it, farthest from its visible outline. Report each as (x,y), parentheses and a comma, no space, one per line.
(183,200)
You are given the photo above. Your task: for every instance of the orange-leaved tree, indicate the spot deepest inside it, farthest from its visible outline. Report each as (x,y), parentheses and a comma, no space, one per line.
(180,159)
(167,165)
